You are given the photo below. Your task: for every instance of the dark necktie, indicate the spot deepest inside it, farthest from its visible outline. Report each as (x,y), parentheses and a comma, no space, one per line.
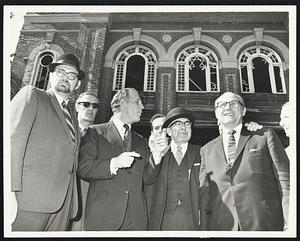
(231,147)
(68,120)
(127,138)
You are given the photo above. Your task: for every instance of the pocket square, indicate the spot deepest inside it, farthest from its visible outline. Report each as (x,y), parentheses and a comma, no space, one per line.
(197,164)
(253,149)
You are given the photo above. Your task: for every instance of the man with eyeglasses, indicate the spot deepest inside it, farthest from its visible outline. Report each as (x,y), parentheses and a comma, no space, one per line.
(44,151)
(174,201)
(87,105)
(244,175)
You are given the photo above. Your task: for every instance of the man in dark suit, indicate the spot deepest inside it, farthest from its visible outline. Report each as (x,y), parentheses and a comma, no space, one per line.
(175,194)
(44,151)
(115,161)
(87,105)
(244,176)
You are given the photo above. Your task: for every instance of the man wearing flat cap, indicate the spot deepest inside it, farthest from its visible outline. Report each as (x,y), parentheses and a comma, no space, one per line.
(44,150)
(174,202)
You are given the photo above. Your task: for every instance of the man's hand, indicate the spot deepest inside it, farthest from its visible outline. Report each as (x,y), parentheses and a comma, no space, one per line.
(124,160)
(253,126)
(159,146)
(14,207)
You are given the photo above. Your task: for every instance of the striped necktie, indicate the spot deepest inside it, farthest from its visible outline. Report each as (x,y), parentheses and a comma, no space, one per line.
(231,147)
(68,120)
(127,138)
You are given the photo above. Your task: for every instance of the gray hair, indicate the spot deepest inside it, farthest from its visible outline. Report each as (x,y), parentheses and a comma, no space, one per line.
(86,93)
(122,94)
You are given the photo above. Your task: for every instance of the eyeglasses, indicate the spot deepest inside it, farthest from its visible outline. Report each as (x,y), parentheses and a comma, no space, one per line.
(88,104)
(233,103)
(70,75)
(187,124)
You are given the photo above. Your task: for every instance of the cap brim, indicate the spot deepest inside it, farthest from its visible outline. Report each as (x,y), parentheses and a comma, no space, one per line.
(172,118)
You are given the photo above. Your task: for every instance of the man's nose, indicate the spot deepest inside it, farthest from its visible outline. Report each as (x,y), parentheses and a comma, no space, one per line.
(141,106)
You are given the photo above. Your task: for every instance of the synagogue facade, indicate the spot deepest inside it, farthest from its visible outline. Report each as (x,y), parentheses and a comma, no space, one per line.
(172,59)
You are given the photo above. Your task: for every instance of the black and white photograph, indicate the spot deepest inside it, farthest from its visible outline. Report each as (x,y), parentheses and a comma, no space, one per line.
(149,121)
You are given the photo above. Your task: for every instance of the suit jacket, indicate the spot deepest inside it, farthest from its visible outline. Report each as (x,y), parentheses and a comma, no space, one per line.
(109,194)
(43,156)
(254,192)
(160,187)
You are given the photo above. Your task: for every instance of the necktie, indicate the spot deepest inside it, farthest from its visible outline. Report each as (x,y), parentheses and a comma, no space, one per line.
(231,147)
(127,138)
(178,155)
(69,120)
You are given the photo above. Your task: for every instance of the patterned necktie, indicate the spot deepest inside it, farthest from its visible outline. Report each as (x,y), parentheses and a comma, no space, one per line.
(69,120)
(178,155)
(231,147)
(127,138)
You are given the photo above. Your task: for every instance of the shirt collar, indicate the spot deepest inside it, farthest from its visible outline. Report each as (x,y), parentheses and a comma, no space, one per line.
(238,129)
(60,99)
(174,147)
(120,125)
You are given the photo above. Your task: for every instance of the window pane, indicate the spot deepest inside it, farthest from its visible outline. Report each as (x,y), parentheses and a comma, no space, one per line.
(278,79)
(261,76)
(135,72)
(245,81)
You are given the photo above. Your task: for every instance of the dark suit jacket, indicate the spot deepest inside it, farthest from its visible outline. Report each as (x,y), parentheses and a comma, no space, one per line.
(158,198)
(43,157)
(108,193)
(254,191)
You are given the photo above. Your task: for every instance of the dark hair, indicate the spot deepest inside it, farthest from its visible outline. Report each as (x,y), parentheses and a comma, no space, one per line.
(155,117)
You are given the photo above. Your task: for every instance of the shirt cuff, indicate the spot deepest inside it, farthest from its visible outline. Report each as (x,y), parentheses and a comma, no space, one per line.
(113,168)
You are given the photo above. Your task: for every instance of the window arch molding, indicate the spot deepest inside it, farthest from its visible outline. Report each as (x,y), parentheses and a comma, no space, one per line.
(33,60)
(197,70)
(274,72)
(120,67)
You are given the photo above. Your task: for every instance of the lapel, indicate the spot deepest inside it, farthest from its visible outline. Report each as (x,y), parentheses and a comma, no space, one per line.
(190,154)
(245,134)
(61,115)
(220,149)
(113,135)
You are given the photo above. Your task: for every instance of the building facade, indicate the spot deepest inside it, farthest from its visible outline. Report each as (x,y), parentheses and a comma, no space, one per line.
(172,59)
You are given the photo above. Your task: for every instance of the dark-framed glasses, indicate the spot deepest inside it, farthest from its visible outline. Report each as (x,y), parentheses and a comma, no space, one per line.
(88,104)
(187,124)
(233,103)
(70,75)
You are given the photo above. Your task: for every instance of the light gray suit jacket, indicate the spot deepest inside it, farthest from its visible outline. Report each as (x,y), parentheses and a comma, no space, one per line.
(43,156)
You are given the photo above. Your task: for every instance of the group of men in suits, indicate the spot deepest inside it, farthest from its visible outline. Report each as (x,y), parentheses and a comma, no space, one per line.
(238,181)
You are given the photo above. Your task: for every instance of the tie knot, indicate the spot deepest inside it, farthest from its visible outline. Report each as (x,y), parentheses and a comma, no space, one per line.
(126,127)
(179,148)
(64,104)
(231,133)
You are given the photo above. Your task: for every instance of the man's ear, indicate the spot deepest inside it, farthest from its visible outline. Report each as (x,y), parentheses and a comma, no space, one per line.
(76,107)
(244,111)
(78,84)
(169,131)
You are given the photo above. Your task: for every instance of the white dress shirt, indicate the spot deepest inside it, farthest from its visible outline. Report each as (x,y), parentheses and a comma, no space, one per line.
(174,148)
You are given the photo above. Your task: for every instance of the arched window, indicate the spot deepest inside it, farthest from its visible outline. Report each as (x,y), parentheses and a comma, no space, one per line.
(261,71)
(42,74)
(197,70)
(135,67)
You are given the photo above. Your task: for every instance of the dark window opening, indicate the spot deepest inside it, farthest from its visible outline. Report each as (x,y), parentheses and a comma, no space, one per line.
(135,72)
(261,76)
(43,70)
(197,76)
